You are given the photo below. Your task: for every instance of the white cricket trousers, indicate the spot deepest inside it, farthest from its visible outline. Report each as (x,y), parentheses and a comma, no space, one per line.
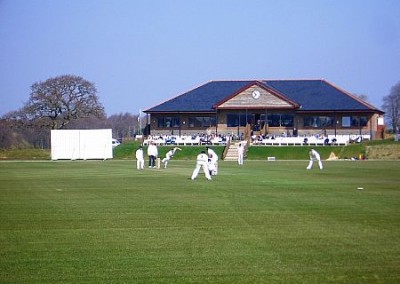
(310,164)
(196,170)
(140,164)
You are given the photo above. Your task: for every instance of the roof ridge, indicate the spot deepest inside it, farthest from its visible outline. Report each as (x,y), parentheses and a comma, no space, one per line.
(263,80)
(299,79)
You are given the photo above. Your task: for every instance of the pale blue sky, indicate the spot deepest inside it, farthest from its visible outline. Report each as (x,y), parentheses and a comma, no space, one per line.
(142,53)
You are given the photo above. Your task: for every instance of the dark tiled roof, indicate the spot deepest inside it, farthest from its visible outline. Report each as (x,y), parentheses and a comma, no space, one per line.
(311,95)
(201,99)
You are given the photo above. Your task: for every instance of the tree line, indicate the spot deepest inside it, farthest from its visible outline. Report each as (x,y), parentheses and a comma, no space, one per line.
(71,102)
(63,102)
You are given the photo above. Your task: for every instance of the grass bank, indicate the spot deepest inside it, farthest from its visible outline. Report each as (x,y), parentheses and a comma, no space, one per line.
(382,149)
(25,154)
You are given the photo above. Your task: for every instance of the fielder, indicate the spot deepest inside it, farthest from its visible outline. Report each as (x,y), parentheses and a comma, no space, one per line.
(213,161)
(169,155)
(201,162)
(139,158)
(240,150)
(314,156)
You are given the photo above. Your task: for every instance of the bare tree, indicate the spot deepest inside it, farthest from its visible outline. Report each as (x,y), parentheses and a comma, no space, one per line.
(391,105)
(6,135)
(57,101)
(91,122)
(53,104)
(12,137)
(124,125)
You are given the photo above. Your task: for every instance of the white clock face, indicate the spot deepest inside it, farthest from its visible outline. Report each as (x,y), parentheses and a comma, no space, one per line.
(256,94)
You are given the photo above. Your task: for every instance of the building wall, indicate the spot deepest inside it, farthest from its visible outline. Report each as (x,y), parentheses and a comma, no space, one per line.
(248,100)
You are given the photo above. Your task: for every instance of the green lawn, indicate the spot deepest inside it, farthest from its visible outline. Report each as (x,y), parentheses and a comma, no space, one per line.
(264,222)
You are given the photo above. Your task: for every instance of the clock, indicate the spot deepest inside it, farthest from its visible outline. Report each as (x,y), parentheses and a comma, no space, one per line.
(256,94)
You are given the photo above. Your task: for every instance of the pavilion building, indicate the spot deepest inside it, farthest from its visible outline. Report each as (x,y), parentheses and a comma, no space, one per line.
(266,107)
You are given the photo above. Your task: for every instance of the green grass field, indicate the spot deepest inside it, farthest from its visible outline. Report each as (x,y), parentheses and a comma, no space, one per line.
(264,222)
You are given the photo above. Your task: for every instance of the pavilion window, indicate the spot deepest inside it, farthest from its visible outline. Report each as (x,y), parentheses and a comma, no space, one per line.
(168,122)
(359,121)
(202,121)
(280,120)
(346,121)
(319,121)
(238,119)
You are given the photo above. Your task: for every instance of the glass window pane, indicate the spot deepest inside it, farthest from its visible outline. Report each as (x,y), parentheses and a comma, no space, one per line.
(232,120)
(274,120)
(346,121)
(160,122)
(363,121)
(202,121)
(287,120)
(319,121)
(167,122)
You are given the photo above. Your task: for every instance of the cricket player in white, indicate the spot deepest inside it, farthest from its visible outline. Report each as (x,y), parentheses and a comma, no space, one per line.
(314,156)
(139,159)
(169,155)
(240,150)
(201,162)
(213,164)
